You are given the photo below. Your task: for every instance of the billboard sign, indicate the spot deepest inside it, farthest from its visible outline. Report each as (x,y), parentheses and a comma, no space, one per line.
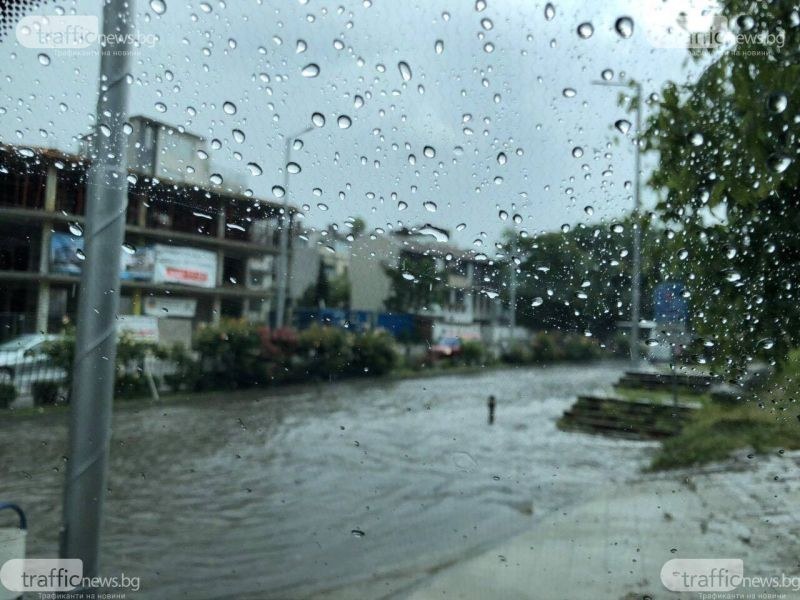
(669,304)
(66,256)
(167,306)
(186,266)
(140,328)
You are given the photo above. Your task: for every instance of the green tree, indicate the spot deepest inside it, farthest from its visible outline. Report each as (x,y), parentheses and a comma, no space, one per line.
(415,284)
(728,174)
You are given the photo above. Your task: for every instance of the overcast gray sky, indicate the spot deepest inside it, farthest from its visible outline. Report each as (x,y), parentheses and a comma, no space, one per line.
(511,100)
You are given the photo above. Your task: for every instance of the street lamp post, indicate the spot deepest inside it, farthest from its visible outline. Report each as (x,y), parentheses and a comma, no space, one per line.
(283,242)
(636,279)
(96,343)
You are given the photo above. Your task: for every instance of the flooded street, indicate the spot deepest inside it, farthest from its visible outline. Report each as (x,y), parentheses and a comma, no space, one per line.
(300,492)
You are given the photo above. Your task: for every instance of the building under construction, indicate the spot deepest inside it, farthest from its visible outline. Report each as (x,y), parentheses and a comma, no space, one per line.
(195,249)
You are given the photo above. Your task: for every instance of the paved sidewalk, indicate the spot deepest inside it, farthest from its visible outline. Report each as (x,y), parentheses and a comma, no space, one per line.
(614,545)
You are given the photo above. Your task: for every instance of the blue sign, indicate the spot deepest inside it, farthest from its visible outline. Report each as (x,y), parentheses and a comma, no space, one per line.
(669,303)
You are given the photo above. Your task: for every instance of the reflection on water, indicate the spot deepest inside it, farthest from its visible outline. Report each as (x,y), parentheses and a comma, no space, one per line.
(317,488)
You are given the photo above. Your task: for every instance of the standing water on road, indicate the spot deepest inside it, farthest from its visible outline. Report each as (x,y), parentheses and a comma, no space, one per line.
(305,491)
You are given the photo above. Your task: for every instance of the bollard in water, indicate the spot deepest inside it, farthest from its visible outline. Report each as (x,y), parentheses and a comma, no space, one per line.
(492,404)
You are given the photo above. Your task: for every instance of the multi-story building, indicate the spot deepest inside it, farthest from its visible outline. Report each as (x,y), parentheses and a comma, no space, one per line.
(194,250)
(470,282)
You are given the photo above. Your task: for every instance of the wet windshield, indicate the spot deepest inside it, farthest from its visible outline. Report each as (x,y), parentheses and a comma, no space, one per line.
(379,299)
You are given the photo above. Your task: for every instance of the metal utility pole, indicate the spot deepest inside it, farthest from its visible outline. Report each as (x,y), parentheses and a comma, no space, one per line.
(283,241)
(636,278)
(96,343)
(512,297)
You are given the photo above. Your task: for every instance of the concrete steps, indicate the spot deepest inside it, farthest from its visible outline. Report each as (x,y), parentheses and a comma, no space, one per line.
(632,419)
(693,383)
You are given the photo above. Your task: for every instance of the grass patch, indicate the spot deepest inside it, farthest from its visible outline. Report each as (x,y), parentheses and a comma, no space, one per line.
(764,421)
(660,397)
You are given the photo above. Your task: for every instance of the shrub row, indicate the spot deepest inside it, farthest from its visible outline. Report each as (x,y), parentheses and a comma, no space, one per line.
(548,347)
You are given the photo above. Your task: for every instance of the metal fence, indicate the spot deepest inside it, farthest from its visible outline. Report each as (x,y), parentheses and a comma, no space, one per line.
(30,377)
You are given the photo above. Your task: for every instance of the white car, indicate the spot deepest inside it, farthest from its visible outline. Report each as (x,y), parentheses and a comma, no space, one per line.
(23,362)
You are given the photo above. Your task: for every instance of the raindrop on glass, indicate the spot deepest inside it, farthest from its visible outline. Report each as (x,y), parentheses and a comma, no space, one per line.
(310,70)
(405,70)
(158,6)
(585,30)
(624,27)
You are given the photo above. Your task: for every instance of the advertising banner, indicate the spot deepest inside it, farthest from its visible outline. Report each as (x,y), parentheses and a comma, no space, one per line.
(166,306)
(66,256)
(187,266)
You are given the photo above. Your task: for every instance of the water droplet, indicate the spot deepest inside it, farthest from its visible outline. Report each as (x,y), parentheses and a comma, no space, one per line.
(161,107)
(569,92)
(310,70)
(487,24)
(430,206)
(623,126)
(238,135)
(607,74)
(488,47)
(300,47)
(293,168)
(480,5)
(429,151)
(696,138)
(577,152)
(585,30)
(565,228)
(538,301)
(158,6)
(624,27)
(405,70)
(549,11)
(438,46)
(589,210)
(75,229)
(229,108)
(255,169)
(318,119)
(779,163)
(80,254)
(278,191)
(777,102)
(344,122)
(501,158)
(128,248)
(402,205)
(215,178)
(44,59)
(358,102)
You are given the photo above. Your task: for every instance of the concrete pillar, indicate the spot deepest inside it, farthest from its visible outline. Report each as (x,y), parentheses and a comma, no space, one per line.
(43,296)
(469,305)
(216,314)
